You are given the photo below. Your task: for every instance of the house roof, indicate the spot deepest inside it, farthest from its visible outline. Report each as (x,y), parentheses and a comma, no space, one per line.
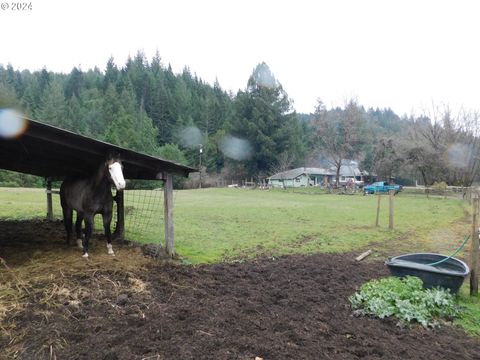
(351,170)
(294,173)
(48,151)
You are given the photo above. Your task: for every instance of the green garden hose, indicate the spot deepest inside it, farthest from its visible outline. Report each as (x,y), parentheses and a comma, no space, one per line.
(455,253)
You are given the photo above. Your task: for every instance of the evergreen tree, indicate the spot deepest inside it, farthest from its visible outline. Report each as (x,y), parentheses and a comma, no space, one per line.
(93,79)
(74,83)
(53,109)
(110,106)
(172,152)
(112,74)
(130,126)
(7,96)
(138,76)
(265,119)
(43,79)
(35,89)
(93,115)
(74,115)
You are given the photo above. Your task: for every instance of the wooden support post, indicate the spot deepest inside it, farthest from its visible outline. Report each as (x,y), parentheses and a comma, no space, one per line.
(168,204)
(474,251)
(390,217)
(120,225)
(378,210)
(49,200)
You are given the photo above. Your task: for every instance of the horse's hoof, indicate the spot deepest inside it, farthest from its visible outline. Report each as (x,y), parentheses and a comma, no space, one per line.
(85,255)
(110,250)
(80,243)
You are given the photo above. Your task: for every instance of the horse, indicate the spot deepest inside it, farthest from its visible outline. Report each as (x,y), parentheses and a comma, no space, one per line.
(88,197)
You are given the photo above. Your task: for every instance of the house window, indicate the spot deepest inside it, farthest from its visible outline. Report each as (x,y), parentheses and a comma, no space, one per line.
(297,179)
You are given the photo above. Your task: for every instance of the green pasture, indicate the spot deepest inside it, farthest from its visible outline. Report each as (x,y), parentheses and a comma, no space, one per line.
(213,225)
(22,203)
(217,224)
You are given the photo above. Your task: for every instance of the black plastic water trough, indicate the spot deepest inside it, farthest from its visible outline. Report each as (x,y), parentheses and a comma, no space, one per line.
(449,274)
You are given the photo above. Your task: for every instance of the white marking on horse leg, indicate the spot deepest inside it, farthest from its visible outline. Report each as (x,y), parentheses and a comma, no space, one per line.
(80,243)
(110,250)
(85,255)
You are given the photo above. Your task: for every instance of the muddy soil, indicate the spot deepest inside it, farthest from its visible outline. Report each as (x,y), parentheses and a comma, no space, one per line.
(58,306)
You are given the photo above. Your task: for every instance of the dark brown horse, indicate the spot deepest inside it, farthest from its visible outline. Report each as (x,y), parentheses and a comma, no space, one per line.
(90,196)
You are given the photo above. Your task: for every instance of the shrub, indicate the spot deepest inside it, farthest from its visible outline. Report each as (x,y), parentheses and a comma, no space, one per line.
(439,185)
(405,299)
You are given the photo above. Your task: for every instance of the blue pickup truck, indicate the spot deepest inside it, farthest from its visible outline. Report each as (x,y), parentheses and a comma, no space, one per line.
(381,187)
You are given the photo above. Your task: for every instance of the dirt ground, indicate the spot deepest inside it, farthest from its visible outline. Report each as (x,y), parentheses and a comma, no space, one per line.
(56,305)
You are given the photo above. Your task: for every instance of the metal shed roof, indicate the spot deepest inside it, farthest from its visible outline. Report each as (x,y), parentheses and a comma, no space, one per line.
(48,151)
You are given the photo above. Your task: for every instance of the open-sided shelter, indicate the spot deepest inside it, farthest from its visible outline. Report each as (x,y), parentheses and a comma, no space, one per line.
(54,154)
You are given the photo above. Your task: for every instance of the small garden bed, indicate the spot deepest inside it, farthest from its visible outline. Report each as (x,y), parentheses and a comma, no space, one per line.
(406,300)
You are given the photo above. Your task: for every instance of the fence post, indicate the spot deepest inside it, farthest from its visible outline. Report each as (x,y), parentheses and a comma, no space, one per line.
(168,211)
(378,210)
(474,251)
(49,200)
(390,217)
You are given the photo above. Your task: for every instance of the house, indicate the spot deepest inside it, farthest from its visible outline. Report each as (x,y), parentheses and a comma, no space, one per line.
(304,176)
(301,177)
(349,172)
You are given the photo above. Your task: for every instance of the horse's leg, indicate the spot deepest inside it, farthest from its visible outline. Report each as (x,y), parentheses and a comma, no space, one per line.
(88,233)
(78,229)
(107,219)
(67,222)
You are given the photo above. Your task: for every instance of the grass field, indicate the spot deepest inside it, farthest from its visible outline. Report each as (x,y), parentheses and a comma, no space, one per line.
(213,225)
(217,224)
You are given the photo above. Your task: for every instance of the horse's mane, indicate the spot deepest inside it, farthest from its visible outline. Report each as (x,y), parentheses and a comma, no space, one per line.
(99,175)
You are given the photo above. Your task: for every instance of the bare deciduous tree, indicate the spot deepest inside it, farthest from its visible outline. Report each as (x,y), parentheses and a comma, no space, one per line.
(388,158)
(339,132)
(284,163)
(444,147)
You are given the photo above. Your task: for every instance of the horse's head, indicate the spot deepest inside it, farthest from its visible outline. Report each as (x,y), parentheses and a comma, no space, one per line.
(116,173)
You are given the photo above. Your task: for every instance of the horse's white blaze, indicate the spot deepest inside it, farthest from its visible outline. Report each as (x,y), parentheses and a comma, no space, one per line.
(116,173)
(110,249)
(80,243)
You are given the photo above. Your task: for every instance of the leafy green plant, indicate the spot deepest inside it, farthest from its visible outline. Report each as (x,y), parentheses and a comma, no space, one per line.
(405,299)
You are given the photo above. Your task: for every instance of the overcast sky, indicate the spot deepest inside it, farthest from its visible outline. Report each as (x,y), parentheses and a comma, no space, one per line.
(399,54)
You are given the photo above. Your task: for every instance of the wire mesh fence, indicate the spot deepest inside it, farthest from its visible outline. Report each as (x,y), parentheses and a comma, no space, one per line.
(143,215)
